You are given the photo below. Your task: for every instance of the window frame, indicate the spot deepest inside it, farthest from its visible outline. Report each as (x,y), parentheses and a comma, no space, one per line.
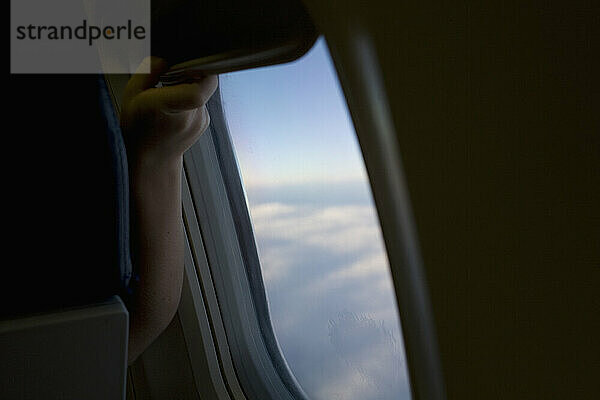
(355,58)
(356,63)
(223,250)
(211,355)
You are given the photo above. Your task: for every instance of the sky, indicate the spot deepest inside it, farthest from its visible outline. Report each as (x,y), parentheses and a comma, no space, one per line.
(322,256)
(287,119)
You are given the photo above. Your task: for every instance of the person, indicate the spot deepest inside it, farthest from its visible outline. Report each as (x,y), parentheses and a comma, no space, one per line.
(159,124)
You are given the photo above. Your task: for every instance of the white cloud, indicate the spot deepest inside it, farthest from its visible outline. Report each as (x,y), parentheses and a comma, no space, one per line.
(341,229)
(349,386)
(276,261)
(373,355)
(368,361)
(362,360)
(268,211)
(372,265)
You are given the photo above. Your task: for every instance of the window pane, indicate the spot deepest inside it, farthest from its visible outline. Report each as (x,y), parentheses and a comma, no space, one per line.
(320,245)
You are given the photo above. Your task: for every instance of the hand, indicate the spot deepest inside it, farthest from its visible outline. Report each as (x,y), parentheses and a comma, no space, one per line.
(159,125)
(162,123)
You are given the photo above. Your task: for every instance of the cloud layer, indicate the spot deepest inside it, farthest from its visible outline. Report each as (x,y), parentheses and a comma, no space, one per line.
(331,299)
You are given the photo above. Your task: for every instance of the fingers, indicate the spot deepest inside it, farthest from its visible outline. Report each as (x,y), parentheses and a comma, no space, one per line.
(142,81)
(183,97)
(170,99)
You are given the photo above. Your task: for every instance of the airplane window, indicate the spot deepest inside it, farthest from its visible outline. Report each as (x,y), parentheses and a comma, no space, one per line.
(321,251)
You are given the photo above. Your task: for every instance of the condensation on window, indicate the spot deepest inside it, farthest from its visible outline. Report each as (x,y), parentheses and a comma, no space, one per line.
(320,245)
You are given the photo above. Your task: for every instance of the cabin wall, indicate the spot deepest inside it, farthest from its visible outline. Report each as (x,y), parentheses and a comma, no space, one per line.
(495,107)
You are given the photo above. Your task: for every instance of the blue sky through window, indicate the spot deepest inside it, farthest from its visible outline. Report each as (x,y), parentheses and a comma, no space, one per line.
(324,264)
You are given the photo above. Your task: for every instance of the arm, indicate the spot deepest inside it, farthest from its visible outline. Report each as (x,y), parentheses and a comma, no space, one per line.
(159,124)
